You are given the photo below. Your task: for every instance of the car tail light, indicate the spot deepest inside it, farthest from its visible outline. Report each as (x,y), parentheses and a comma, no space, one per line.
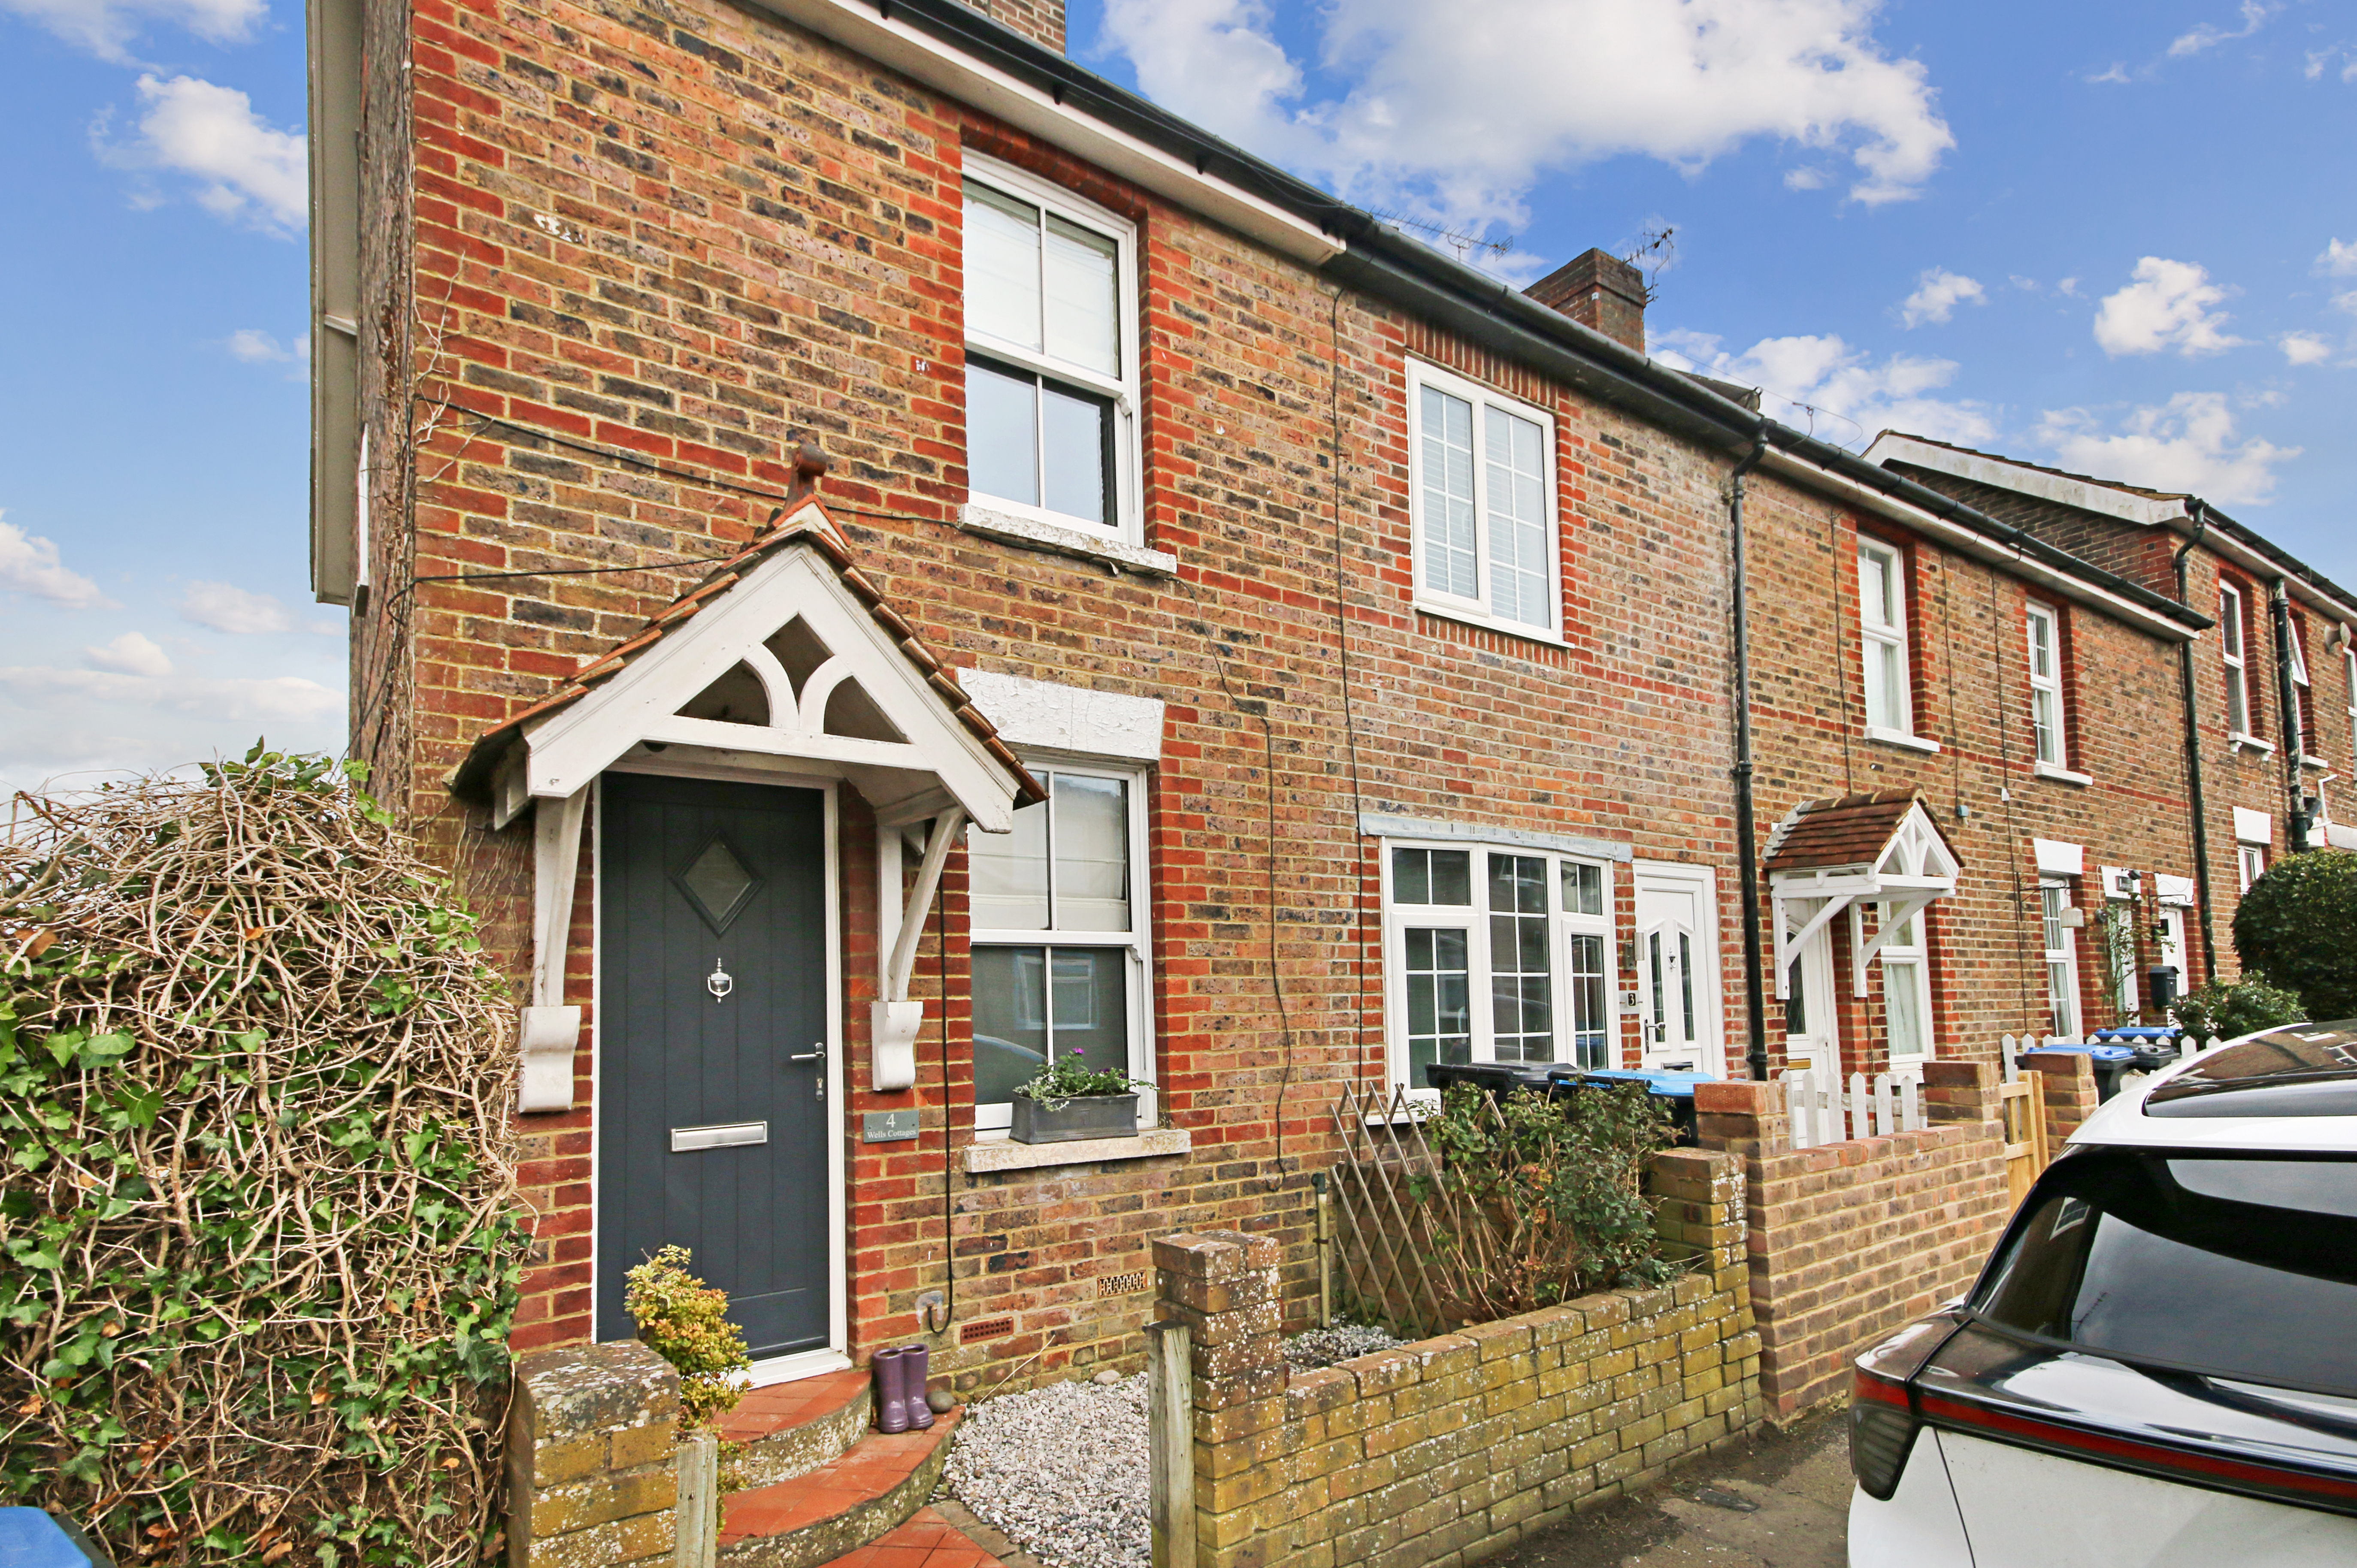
(1882,1415)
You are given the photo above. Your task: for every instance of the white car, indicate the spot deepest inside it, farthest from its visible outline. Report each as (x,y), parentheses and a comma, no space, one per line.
(2158,1368)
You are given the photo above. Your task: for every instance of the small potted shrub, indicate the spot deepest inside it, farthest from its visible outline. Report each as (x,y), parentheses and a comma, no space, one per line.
(1068,1100)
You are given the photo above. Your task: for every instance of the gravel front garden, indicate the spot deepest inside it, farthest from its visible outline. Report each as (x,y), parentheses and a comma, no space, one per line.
(1062,1468)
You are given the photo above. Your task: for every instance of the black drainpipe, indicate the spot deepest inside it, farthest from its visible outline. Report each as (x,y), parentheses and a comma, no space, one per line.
(2287,705)
(2201,511)
(1746,837)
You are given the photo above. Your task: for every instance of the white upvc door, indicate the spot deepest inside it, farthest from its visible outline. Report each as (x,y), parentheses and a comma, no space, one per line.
(1679,1012)
(1812,1021)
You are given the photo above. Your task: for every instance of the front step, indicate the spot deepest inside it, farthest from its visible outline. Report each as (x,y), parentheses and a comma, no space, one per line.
(819,1516)
(791,1429)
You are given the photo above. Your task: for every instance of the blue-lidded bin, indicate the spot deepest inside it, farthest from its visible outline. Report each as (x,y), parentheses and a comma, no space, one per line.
(1676,1090)
(2156,1044)
(30,1537)
(2110,1062)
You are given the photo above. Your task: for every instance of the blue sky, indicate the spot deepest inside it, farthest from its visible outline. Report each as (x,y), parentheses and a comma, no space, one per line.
(2120,238)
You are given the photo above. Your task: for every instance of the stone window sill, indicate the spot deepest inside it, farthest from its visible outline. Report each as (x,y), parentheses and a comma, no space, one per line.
(2241,742)
(2308,761)
(996,1152)
(1539,635)
(1901,737)
(2063,774)
(1016,529)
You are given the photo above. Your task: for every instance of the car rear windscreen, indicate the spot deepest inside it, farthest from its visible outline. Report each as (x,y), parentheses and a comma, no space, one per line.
(2227,1265)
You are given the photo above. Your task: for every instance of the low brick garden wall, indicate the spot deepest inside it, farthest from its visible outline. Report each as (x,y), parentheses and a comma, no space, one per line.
(592,1458)
(1850,1241)
(1454,1447)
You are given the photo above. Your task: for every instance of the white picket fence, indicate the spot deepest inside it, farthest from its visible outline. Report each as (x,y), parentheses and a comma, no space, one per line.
(1823,1111)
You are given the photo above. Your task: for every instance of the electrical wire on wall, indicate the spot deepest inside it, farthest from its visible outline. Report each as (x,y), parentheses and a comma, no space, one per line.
(1349,722)
(1259,711)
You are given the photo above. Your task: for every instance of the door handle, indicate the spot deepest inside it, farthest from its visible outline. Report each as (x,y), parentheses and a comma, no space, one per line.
(817,1053)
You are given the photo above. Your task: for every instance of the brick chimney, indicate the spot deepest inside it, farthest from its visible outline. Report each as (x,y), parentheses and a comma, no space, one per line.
(1041,21)
(1599,291)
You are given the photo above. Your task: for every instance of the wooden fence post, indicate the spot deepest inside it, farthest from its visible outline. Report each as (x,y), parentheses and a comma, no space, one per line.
(697,1540)
(1170,1445)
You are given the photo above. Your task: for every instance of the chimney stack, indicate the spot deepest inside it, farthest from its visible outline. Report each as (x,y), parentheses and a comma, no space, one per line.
(1599,291)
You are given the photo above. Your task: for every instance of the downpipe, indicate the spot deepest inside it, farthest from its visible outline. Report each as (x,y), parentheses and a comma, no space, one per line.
(1754,997)
(2190,685)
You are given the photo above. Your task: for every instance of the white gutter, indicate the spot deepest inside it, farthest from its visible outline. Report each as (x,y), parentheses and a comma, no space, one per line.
(1980,546)
(2088,495)
(894,43)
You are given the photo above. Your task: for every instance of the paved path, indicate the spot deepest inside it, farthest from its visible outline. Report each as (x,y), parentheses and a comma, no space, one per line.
(1798,1484)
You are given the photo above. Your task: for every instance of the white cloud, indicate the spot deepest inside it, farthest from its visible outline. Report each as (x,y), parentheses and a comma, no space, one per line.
(1937,294)
(256,347)
(2188,444)
(1455,110)
(225,607)
(244,170)
(130,654)
(105,28)
(2320,60)
(2339,260)
(53,720)
(2169,305)
(2255,15)
(1822,385)
(2304,347)
(30,565)
(1805,179)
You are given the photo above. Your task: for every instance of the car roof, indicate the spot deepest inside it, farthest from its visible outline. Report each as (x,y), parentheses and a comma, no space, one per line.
(2291,1087)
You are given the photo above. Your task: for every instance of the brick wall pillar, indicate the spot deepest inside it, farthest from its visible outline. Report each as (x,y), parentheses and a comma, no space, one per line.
(592,1435)
(1742,1118)
(2071,1095)
(1700,1208)
(1960,1091)
(1222,1285)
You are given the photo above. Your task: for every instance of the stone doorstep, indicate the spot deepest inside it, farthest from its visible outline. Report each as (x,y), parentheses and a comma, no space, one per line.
(932,1538)
(838,1507)
(791,1429)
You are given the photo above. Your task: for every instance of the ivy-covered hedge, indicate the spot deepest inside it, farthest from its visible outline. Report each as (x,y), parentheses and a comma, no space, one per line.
(258,1218)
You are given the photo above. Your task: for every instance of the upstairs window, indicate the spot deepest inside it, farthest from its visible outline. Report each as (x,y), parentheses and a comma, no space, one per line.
(1882,624)
(1496,956)
(2349,679)
(2230,650)
(2046,686)
(2297,734)
(1051,379)
(1483,500)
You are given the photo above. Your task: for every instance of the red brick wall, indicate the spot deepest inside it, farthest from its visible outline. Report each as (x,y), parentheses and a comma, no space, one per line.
(650,260)
(1851,1241)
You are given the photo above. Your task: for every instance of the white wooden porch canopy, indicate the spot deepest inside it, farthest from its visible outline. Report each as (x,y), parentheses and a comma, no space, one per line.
(1840,854)
(785,660)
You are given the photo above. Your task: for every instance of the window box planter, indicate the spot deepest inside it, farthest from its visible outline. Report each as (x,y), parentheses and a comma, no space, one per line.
(1083,1116)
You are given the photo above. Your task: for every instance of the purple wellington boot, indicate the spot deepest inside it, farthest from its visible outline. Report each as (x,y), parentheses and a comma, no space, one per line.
(916,1369)
(891,1395)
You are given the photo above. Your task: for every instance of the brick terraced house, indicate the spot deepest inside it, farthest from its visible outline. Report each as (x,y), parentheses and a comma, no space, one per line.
(2281,663)
(881,559)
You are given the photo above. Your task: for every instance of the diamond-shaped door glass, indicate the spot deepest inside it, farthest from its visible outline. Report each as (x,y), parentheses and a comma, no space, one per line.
(719,884)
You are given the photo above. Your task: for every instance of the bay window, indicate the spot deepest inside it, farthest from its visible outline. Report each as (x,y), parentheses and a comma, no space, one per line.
(1496,955)
(1483,503)
(1060,938)
(1051,372)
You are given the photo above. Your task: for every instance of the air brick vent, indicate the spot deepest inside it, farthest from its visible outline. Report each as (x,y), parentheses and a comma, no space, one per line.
(982,1329)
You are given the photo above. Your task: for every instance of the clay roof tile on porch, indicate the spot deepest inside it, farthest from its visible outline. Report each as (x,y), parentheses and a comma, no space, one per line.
(1847,830)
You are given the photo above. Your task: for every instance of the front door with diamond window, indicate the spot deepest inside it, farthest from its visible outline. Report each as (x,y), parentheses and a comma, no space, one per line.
(713,1111)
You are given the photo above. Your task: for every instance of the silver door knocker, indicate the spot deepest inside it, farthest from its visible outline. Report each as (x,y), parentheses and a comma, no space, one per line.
(720,982)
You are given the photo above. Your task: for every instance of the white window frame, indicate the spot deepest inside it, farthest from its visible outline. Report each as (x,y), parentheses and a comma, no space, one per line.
(1137,943)
(1909,964)
(1478,609)
(2296,722)
(2233,634)
(2250,863)
(1896,633)
(2348,678)
(1473,919)
(2055,735)
(1124,389)
(2062,1006)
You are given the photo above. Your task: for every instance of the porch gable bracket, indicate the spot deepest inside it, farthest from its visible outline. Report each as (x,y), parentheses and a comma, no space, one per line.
(1881,847)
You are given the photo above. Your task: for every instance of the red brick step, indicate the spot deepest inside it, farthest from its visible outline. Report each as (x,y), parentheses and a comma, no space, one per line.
(839,1507)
